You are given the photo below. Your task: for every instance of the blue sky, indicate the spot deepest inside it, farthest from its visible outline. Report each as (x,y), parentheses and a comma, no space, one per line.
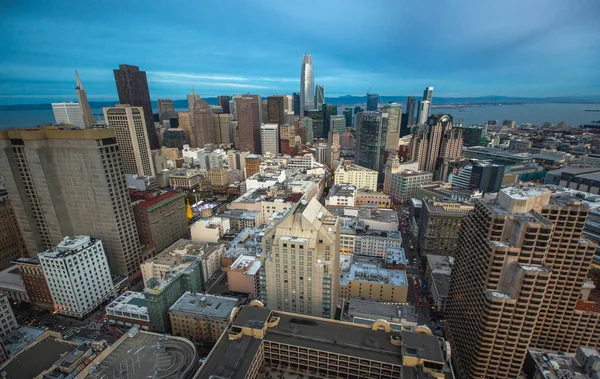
(462,48)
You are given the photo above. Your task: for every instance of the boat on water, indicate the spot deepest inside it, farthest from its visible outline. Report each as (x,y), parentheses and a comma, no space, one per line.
(463,109)
(592,110)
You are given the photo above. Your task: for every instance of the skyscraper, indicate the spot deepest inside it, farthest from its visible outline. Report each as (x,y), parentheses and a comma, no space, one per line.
(337,123)
(11,240)
(371,132)
(372,100)
(423,112)
(130,130)
(70,182)
(276,109)
(408,118)
(191,99)
(269,138)
(248,130)
(434,141)
(319,96)
(296,104)
(165,105)
(428,94)
(132,87)
(349,115)
(301,261)
(307,85)
(394,112)
(84,105)
(224,103)
(307,130)
(202,125)
(519,281)
(328,111)
(68,113)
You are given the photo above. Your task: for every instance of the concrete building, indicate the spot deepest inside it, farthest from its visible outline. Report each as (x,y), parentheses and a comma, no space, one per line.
(393,166)
(356,175)
(440,224)
(308,284)
(368,198)
(373,242)
(341,195)
(8,322)
(209,230)
(550,364)
(367,279)
(406,183)
(307,85)
(423,112)
(236,160)
(58,179)
(252,164)
(12,245)
(438,274)
(32,274)
(160,221)
(244,275)
(201,317)
(132,87)
(515,283)
(269,138)
(482,176)
(370,144)
(240,219)
(13,286)
(181,254)
(129,310)
(68,113)
(78,275)
(394,112)
(261,340)
(186,180)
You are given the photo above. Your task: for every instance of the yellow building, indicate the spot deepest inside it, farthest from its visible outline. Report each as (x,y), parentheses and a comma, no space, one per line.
(375,283)
(361,177)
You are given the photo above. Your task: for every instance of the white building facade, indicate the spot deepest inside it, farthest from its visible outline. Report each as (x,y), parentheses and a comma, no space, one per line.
(78,275)
(68,113)
(269,138)
(8,322)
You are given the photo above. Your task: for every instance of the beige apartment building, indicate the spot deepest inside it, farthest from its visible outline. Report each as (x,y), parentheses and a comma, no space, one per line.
(360,177)
(59,181)
(372,282)
(301,261)
(440,223)
(201,317)
(519,281)
(244,275)
(366,197)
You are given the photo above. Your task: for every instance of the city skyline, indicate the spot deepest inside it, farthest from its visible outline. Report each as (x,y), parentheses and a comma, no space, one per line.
(520,58)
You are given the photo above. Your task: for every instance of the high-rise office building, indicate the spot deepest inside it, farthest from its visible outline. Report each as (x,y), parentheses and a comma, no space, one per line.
(12,245)
(317,121)
(423,112)
(296,104)
(269,138)
(435,140)
(428,94)
(130,130)
(300,261)
(328,111)
(165,105)
(372,101)
(394,112)
(519,281)
(371,132)
(59,181)
(349,115)
(78,275)
(307,130)
(319,96)
(68,113)
(307,85)
(409,116)
(84,105)
(337,123)
(202,125)
(224,103)
(191,99)
(221,125)
(248,130)
(333,147)
(132,87)
(276,109)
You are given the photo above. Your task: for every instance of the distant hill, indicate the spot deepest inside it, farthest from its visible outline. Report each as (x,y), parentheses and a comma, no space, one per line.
(356,100)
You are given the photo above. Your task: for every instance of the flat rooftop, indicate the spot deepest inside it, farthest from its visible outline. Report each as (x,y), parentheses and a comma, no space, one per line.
(374,274)
(204,305)
(130,302)
(355,167)
(147,355)
(373,308)
(69,246)
(524,193)
(395,255)
(36,358)
(249,264)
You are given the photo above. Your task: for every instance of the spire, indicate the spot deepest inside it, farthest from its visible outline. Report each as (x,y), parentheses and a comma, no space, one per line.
(79,85)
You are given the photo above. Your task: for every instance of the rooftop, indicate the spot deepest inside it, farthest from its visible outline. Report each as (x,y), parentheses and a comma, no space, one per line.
(247,242)
(372,273)
(354,167)
(204,305)
(183,251)
(69,246)
(129,301)
(342,190)
(141,355)
(240,214)
(374,308)
(11,279)
(559,365)
(395,255)
(161,199)
(249,264)
(441,281)
(524,192)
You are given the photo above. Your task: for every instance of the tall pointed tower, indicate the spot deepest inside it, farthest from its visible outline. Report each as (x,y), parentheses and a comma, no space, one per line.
(86,110)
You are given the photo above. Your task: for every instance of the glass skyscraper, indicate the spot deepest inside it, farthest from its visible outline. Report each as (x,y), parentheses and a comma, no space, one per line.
(307,85)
